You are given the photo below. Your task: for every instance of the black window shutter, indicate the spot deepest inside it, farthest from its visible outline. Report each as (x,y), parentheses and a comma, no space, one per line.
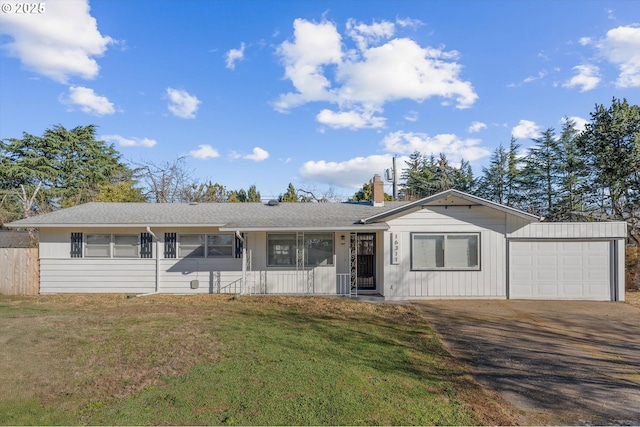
(146,245)
(170,245)
(76,245)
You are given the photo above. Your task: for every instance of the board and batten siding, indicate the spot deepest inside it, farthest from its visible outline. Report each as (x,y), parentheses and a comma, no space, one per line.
(488,282)
(567,230)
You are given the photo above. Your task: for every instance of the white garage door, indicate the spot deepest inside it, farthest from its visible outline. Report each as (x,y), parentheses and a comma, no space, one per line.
(560,270)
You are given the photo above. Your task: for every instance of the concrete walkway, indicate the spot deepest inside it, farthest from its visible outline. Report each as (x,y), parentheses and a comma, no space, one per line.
(560,362)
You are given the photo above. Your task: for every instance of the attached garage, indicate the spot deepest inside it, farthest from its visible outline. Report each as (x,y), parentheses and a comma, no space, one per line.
(566,260)
(577,270)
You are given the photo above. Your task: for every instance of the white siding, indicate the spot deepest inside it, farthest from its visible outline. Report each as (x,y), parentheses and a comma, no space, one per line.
(569,230)
(97,275)
(60,273)
(489,281)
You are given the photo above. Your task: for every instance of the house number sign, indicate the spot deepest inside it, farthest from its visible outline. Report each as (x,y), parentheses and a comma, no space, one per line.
(395,248)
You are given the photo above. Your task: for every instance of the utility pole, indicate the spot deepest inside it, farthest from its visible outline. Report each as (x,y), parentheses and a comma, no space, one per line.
(395,180)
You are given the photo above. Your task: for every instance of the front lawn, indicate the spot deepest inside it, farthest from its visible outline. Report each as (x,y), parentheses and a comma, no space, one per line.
(209,359)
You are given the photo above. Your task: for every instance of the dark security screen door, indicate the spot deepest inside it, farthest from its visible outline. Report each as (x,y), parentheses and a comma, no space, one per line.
(366,261)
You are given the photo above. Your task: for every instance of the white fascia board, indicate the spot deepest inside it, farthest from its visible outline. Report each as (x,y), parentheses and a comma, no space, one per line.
(356,228)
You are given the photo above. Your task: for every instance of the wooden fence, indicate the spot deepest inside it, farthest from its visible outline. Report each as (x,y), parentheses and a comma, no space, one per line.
(19,271)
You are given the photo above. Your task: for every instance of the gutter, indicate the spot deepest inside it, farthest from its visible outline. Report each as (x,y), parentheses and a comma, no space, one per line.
(157,291)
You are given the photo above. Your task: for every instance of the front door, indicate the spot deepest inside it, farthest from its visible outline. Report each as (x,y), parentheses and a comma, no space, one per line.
(366,261)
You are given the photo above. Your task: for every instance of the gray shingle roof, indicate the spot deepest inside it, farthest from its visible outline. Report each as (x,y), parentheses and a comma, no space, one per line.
(232,216)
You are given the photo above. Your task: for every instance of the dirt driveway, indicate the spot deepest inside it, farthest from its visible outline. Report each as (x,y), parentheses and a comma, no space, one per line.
(560,362)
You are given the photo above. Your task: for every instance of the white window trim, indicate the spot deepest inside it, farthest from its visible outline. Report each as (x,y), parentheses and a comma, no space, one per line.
(111,246)
(205,245)
(445,268)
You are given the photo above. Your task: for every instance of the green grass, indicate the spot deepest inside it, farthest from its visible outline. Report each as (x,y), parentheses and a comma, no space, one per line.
(253,361)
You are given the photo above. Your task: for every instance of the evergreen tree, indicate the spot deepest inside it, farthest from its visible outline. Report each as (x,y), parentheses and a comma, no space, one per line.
(542,173)
(571,185)
(61,168)
(253,195)
(290,196)
(463,179)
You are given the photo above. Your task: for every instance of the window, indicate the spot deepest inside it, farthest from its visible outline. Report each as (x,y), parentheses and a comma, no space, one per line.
(105,246)
(191,246)
(318,249)
(220,245)
(282,249)
(170,245)
(125,246)
(98,246)
(206,245)
(445,251)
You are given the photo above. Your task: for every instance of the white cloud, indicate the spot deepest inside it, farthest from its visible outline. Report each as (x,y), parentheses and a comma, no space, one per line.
(60,43)
(235,55)
(363,79)
(350,119)
(526,129)
(182,104)
(314,46)
(621,47)
(587,78)
(257,155)
(411,116)
(408,22)
(542,74)
(204,151)
(364,34)
(476,127)
(130,142)
(88,102)
(350,173)
(454,147)
(584,41)
(579,122)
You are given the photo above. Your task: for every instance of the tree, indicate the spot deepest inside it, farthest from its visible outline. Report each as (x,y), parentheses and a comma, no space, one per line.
(463,179)
(253,195)
(500,182)
(169,182)
(365,194)
(61,168)
(120,192)
(610,147)
(542,173)
(290,196)
(571,185)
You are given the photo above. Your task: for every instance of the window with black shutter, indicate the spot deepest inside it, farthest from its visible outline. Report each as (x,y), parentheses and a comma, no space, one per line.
(169,245)
(76,245)
(146,245)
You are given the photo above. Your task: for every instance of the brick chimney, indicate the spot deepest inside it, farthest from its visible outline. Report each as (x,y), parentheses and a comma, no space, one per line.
(377,193)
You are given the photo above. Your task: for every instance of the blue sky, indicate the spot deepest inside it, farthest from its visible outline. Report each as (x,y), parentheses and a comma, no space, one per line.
(321,94)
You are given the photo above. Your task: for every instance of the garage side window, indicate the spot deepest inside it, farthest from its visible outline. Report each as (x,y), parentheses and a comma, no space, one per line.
(445,251)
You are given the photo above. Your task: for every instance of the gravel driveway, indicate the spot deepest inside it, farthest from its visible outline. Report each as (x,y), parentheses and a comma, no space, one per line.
(560,362)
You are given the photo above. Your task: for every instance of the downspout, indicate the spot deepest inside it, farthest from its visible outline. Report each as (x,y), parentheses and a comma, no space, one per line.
(157,291)
(244,262)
